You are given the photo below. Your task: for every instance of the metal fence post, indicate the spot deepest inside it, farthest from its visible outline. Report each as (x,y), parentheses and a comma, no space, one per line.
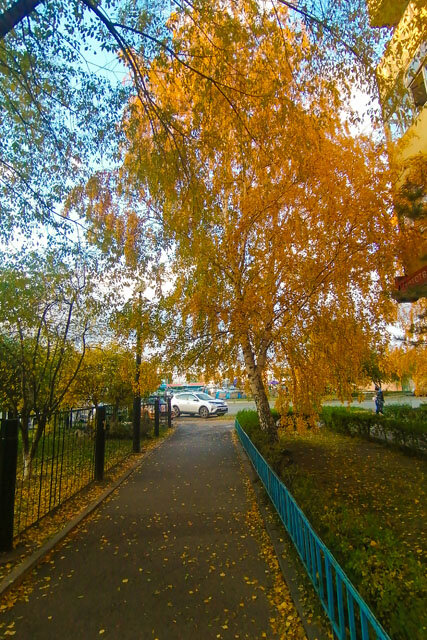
(8,462)
(100,444)
(169,413)
(156,417)
(136,424)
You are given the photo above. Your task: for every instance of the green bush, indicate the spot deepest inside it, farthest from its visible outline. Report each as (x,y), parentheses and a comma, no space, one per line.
(249,421)
(119,430)
(278,457)
(401,424)
(406,412)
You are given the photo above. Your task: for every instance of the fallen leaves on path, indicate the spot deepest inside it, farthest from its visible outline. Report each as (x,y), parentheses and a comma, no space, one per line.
(285,621)
(36,536)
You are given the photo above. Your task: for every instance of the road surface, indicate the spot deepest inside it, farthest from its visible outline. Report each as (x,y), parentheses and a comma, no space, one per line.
(237,405)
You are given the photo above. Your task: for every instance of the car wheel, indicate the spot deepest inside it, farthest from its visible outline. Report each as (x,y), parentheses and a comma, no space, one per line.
(176,411)
(204,412)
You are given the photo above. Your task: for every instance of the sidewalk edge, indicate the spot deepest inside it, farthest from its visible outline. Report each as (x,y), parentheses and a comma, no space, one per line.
(18,574)
(289,565)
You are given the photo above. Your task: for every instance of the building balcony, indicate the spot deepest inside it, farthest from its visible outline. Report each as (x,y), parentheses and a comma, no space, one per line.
(405,51)
(412,287)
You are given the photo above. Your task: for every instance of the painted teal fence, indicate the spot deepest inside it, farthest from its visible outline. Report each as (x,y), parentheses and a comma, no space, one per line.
(349,614)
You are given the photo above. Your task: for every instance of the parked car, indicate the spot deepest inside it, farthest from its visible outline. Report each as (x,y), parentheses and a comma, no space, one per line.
(197,403)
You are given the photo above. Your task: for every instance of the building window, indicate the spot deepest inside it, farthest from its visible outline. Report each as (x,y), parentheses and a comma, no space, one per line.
(399,111)
(418,87)
(416,77)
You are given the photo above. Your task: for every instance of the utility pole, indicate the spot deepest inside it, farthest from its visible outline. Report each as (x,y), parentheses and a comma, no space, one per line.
(137,396)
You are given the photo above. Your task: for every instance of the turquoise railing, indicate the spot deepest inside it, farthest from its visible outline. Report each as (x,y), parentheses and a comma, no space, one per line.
(348,613)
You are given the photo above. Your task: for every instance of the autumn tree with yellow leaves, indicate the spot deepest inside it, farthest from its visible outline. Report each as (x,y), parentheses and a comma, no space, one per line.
(280,238)
(407,358)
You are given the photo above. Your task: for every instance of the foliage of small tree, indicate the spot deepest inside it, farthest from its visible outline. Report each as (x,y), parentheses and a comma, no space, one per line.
(410,363)
(62,66)
(45,314)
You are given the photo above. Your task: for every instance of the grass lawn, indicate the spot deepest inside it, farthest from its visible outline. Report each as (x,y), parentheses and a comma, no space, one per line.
(368,504)
(364,476)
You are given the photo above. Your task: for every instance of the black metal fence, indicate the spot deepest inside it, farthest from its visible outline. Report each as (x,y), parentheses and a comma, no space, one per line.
(75,448)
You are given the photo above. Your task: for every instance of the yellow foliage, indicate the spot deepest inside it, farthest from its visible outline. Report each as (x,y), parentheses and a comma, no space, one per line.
(283,241)
(409,360)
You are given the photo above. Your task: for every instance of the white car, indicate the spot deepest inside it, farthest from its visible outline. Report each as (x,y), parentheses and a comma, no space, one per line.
(197,402)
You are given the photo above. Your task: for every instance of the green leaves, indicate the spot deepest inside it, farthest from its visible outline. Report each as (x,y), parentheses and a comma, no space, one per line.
(59,110)
(45,313)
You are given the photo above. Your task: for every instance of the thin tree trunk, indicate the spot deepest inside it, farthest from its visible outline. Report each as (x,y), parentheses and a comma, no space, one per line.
(28,461)
(115,416)
(137,395)
(24,419)
(259,393)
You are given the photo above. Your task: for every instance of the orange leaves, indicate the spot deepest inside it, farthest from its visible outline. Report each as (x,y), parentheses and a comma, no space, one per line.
(280,224)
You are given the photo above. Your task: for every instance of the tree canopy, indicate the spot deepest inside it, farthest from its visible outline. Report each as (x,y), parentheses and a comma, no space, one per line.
(280,237)
(61,101)
(225,157)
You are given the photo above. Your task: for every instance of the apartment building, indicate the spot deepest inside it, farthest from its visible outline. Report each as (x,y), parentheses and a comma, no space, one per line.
(402,81)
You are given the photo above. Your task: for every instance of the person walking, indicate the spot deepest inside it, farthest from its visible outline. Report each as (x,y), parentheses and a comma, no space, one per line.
(379,400)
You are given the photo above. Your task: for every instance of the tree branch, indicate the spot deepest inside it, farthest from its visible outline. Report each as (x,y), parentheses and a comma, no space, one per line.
(312,18)
(15,14)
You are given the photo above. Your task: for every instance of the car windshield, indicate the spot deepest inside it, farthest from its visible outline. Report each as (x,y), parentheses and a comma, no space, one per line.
(204,396)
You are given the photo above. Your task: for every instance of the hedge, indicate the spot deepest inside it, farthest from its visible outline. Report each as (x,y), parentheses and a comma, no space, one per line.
(401,425)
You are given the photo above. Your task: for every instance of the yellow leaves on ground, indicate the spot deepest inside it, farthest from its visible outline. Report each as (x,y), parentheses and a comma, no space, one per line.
(35,537)
(285,623)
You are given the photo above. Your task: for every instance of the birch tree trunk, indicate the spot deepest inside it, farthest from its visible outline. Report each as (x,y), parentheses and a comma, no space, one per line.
(258,390)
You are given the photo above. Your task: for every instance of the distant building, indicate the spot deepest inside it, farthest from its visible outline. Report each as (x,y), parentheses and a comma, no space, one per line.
(402,81)
(183,386)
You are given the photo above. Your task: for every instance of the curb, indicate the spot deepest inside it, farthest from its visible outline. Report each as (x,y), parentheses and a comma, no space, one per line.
(19,573)
(289,566)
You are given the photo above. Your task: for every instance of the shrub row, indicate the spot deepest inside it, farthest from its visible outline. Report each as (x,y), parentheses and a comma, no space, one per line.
(272,451)
(401,425)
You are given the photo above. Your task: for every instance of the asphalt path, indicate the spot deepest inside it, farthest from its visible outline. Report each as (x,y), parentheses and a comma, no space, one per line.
(172,554)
